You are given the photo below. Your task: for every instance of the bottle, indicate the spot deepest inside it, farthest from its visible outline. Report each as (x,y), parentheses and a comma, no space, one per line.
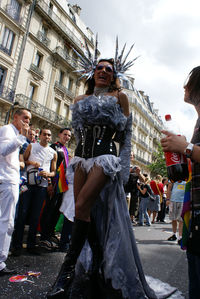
(177,167)
(38,177)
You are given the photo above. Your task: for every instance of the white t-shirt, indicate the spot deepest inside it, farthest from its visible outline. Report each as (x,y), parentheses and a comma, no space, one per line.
(42,155)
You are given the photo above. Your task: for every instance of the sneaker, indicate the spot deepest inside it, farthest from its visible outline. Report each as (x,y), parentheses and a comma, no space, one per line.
(45,244)
(55,239)
(172,238)
(134,222)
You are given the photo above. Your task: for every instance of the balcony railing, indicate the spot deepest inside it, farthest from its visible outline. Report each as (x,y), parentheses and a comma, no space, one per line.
(144,128)
(42,111)
(43,39)
(61,25)
(6,93)
(63,55)
(64,89)
(138,158)
(35,69)
(141,142)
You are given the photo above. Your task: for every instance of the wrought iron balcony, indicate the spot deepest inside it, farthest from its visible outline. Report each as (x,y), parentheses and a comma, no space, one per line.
(64,89)
(36,70)
(59,52)
(60,25)
(6,93)
(41,111)
(141,142)
(144,128)
(43,39)
(138,158)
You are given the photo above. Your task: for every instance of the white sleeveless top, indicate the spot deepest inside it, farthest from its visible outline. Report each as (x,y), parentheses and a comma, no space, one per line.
(42,155)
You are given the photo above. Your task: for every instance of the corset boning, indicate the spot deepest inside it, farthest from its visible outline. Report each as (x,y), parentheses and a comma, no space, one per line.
(95,141)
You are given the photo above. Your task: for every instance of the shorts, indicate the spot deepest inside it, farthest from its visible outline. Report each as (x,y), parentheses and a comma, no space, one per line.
(175,210)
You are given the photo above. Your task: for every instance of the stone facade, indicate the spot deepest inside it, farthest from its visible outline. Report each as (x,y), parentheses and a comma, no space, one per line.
(37,70)
(147,125)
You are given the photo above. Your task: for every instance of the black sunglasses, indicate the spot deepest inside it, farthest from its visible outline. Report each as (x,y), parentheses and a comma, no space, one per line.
(107,68)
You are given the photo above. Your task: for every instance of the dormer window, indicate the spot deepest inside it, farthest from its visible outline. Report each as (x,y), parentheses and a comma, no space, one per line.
(72,16)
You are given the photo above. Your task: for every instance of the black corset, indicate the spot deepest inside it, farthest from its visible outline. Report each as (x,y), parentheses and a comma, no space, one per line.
(95,141)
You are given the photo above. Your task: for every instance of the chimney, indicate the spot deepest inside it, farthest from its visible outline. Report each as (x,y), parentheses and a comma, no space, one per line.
(141,92)
(77,9)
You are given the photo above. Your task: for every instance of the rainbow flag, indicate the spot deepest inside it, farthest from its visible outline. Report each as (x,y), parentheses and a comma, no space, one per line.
(61,181)
(62,184)
(186,212)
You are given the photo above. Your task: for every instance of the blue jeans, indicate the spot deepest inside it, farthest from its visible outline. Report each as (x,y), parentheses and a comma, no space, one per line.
(194,275)
(143,211)
(30,205)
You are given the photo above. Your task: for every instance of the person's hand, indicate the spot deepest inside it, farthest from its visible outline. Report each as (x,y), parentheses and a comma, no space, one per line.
(137,170)
(44,174)
(24,128)
(173,143)
(36,165)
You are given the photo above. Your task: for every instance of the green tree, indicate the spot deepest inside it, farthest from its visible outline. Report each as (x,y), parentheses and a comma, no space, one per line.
(158,165)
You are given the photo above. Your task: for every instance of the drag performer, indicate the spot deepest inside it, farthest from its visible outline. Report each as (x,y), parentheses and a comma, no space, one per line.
(103,260)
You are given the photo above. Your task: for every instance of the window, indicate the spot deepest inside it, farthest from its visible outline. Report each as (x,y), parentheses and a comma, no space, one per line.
(32,91)
(38,59)
(72,16)
(56,106)
(50,5)
(2,76)
(66,50)
(7,41)
(70,84)
(66,111)
(61,77)
(44,30)
(14,9)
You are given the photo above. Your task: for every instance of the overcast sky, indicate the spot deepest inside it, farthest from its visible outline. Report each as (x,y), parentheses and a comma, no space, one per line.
(166,34)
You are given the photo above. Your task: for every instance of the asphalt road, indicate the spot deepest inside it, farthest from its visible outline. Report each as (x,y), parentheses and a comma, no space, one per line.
(160,258)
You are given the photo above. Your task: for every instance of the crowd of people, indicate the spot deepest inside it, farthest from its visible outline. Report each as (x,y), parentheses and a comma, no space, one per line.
(153,199)
(90,192)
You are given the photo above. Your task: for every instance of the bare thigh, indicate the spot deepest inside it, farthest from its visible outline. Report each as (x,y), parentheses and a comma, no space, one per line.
(86,190)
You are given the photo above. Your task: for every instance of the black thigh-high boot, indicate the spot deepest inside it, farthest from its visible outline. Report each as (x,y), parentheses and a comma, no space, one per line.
(66,274)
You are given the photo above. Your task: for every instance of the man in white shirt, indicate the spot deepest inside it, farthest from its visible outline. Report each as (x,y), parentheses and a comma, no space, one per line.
(40,160)
(12,136)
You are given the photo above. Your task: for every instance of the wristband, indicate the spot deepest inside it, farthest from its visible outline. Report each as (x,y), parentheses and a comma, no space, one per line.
(189,149)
